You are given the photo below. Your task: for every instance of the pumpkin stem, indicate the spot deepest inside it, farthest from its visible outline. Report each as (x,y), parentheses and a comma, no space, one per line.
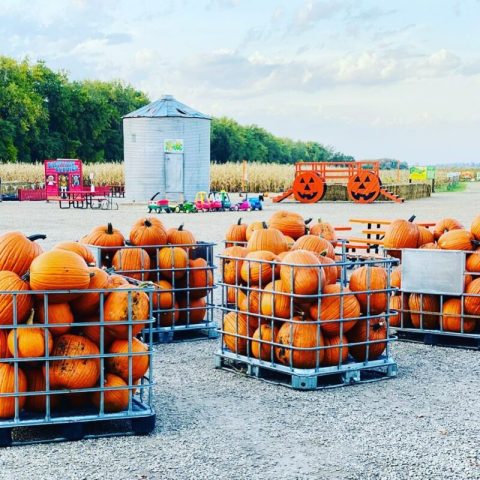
(147,223)
(412,218)
(30,318)
(180,228)
(476,243)
(264,225)
(308,220)
(239,221)
(26,276)
(37,236)
(109,228)
(323,253)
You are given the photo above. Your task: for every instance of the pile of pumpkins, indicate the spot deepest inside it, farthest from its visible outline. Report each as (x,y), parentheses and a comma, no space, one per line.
(281,283)
(72,328)
(182,281)
(446,313)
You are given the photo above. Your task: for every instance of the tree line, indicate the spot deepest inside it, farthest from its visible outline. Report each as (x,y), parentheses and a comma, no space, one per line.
(45,115)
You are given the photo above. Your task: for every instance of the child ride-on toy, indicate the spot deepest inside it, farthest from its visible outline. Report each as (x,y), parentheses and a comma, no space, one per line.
(248,204)
(159,206)
(186,207)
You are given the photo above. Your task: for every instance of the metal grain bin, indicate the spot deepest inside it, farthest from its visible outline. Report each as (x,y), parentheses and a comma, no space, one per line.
(167,150)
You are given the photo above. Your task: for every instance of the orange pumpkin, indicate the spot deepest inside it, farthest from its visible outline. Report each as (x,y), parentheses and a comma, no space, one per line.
(180,236)
(200,278)
(89,303)
(337,304)
(59,270)
(72,373)
(257,272)
(269,239)
(430,246)
(250,303)
(296,336)
(57,313)
(301,279)
(396,304)
(429,305)
(400,234)
(360,333)
(475,228)
(115,309)
(18,251)
(231,268)
(275,300)
(36,383)
(79,249)
(472,302)
(104,236)
(10,281)
(235,323)
(172,261)
(132,262)
(236,233)
(331,272)
(290,241)
(4,351)
(170,317)
(94,332)
(396,277)
(234,295)
(119,364)
(452,320)
(148,231)
(261,350)
(192,311)
(473,261)
(317,245)
(369,279)
(336,351)
(252,227)
(456,240)
(115,281)
(289,223)
(7,385)
(425,236)
(162,298)
(113,400)
(446,225)
(324,230)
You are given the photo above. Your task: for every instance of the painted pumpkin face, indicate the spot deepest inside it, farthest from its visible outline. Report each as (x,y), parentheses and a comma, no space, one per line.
(364,186)
(308,187)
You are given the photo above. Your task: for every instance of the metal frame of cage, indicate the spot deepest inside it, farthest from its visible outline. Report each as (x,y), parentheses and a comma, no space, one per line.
(179,291)
(305,378)
(407,331)
(140,405)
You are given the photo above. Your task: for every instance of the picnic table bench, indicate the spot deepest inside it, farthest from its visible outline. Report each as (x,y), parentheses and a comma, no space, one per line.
(85,199)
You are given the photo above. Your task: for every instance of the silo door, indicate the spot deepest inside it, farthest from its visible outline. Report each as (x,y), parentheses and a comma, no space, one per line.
(173,173)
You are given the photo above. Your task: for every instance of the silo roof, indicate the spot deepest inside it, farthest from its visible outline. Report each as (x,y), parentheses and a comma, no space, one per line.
(167,106)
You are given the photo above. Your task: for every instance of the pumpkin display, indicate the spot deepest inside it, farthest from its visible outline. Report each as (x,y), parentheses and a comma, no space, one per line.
(473,262)
(364,186)
(258,272)
(338,304)
(148,231)
(262,341)
(235,295)
(308,187)
(300,273)
(73,373)
(113,400)
(400,234)
(10,281)
(18,251)
(79,249)
(293,338)
(250,303)
(180,236)
(457,239)
(36,383)
(89,303)
(191,311)
(104,236)
(336,351)
(275,300)
(452,317)
(396,277)
(368,279)
(252,227)
(430,246)
(472,298)
(119,364)
(58,313)
(94,332)
(269,239)
(115,309)
(59,270)
(396,304)
(236,233)
(169,317)
(424,310)
(425,236)
(133,262)
(290,241)
(375,332)
(317,245)
(200,278)
(235,323)
(331,272)
(231,268)
(115,280)
(289,223)
(173,262)
(4,351)
(475,228)
(7,385)
(446,225)
(324,230)
(162,297)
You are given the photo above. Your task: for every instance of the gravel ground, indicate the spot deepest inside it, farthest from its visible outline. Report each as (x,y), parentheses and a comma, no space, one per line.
(215,424)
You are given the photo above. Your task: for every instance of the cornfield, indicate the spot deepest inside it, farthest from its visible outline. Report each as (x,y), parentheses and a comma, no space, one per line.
(229,176)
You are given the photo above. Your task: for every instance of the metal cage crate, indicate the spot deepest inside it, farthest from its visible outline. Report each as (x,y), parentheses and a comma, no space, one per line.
(183,298)
(66,387)
(323,335)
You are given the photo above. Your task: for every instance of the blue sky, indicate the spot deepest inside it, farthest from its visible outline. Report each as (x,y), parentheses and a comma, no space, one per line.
(398,79)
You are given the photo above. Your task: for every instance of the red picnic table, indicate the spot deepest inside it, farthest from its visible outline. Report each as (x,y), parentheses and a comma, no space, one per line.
(84,199)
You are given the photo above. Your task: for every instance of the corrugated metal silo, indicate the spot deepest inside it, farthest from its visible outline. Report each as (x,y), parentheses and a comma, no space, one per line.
(166,150)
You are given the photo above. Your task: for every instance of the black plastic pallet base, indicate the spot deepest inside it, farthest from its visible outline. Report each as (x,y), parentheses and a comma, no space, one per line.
(440,339)
(308,382)
(73,431)
(185,335)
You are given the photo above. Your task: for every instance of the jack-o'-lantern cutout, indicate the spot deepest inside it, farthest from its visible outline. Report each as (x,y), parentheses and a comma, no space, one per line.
(364,186)
(308,187)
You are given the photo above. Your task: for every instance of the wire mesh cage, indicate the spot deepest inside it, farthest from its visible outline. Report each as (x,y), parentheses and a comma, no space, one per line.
(72,358)
(183,280)
(306,321)
(439,299)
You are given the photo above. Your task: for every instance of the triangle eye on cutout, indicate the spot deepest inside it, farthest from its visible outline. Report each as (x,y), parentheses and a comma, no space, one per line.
(302,180)
(357,178)
(367,180)
(311,180)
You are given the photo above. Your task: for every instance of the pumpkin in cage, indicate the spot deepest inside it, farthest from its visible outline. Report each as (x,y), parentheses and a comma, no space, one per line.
(400,234)
(446,225)
(36,383)
(452,319)
(89,303)
(330,269)
(191,311)
(234,295)
(472,298)
(4,351)
(269,239)
(78,248)
(424,310)
(237,329)
(200,278)
(172,262)
(317,245)
(336,351)
(364,282)
(396,304)
(93,331)
(132,262)
(250,303)
(231,267)
(324,230)
(105,236)
(58,313)
(301,273)
(275,300)
(17,251)
(236,233)
(119,363)
(475,228)
(456,240)
(181,236)
(396,277)
(364,332)
(262,342)
(261,271)
(169,317)
(113,400)
(11,282)
(7,385)
(425,236)
(252,227)
(473,262)
(148,231)
(289,223)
